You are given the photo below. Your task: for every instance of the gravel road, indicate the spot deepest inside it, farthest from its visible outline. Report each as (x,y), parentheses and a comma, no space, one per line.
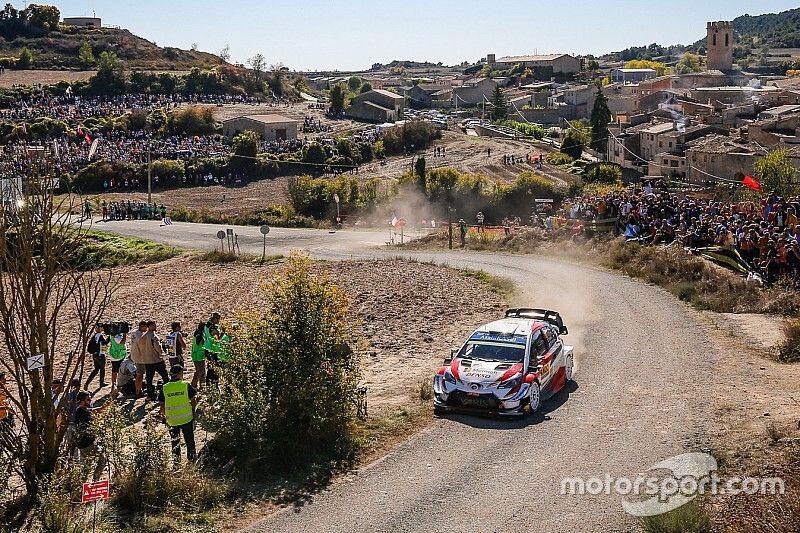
(643,364)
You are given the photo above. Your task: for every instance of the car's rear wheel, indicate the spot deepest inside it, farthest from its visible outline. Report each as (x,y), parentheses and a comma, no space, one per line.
(568,367)
(534,397)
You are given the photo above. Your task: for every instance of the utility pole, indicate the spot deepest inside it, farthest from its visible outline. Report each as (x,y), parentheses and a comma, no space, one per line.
(449,227)
(149,178)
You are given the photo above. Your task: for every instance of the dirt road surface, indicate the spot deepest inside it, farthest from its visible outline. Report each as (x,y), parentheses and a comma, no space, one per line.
(643,368)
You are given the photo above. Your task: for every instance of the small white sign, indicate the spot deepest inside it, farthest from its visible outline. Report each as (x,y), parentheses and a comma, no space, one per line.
(544,200)
(35,362)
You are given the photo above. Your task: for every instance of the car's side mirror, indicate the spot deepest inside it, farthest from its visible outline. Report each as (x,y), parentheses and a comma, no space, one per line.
(453,352)
(563,330)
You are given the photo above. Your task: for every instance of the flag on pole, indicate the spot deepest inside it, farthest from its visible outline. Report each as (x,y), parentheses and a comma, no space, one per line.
(750,182)
(93,148)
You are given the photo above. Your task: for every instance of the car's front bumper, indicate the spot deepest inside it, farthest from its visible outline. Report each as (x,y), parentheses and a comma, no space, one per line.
(488,403)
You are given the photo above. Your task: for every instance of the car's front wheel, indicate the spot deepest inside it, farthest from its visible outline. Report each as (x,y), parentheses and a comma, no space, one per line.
(534,397)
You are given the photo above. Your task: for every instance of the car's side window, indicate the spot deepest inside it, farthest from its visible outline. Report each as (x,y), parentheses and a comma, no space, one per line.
(549,338)
(538,345)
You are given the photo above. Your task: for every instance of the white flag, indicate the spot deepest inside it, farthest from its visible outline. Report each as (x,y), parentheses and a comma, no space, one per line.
(93,148)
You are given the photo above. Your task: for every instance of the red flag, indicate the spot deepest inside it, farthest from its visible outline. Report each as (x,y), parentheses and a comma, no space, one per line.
(750,182)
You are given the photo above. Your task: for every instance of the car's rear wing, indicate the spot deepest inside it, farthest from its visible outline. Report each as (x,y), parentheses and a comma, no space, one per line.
(551,317)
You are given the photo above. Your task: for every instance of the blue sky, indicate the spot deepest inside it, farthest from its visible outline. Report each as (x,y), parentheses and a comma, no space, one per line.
(328,34)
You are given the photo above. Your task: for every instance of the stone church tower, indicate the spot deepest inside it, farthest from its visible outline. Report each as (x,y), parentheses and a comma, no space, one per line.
(719,46)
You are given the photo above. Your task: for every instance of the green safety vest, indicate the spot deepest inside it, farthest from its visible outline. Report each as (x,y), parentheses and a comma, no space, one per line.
(117,351)
(225,348)
(177,407)
(211,342)
(198,350)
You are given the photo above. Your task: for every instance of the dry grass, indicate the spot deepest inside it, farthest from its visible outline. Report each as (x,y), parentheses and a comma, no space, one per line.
(696,281)
(790,348)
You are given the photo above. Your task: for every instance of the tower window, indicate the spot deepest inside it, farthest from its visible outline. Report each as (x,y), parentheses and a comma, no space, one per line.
(726,39)
(714,40)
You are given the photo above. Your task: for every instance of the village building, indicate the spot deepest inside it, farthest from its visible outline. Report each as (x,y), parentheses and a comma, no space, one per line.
(559,63)
(377,105)
(269,127)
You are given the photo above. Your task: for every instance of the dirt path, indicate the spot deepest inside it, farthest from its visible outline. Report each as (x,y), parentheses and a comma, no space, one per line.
(646,369)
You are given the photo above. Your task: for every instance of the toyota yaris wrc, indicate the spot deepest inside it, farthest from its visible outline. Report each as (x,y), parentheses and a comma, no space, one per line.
(506,367)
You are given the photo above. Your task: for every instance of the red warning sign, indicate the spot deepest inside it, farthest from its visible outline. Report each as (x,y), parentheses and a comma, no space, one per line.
(94,492)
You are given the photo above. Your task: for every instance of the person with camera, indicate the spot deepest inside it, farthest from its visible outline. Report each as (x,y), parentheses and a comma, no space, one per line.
(97,348)
(126,378)
(178,401)
(148,358)
(117,352)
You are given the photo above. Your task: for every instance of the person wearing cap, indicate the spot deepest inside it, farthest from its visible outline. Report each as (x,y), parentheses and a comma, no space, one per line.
(85,438)
(178,400)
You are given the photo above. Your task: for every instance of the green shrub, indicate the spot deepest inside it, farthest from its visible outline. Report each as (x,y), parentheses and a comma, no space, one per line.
(608,174)
(416,133)
(688,518)
(558,158)
(168,167)
(531,130)
(192,120)
(287,393)
(790,348)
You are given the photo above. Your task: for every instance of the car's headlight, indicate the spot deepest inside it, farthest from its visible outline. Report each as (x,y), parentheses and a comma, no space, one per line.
(448,377)
(511,383)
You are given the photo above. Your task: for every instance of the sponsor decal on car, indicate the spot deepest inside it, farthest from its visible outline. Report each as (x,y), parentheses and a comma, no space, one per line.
(545,370)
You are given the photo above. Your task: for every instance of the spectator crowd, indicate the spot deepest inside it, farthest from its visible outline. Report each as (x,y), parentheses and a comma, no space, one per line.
(766,233)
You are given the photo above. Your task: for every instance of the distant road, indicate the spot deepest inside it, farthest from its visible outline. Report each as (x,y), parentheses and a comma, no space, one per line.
(642,366)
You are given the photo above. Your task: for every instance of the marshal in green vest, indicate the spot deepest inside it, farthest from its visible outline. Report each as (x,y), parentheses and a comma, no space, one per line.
(116,350)
(177,406)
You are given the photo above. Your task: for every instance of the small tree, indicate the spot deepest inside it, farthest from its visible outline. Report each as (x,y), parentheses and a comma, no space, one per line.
(776,173)
(689,62)
(86,55)
(338,94)
(314,153)
(419,170)
(576,138)
(245,146)
(353,83)
(365,87)
(225,53)
(25,59)
(599,120)
(258,63)
(286,394)
(499,110)
(47,295)
(607,174)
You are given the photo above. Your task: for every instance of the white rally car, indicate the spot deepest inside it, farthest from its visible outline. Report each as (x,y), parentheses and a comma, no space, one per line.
(506,367)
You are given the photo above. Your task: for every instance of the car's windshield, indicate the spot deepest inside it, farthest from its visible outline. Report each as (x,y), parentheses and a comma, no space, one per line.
(493,351)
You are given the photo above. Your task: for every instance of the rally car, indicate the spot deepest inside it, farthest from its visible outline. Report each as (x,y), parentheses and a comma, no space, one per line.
(506,367)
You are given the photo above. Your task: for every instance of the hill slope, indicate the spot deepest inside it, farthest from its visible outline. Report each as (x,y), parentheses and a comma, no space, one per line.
(772,30)
(58,49)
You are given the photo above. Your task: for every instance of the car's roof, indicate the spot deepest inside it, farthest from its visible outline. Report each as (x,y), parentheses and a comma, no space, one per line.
(511,326)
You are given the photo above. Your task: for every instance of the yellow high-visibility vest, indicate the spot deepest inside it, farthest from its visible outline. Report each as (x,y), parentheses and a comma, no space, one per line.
(177,406)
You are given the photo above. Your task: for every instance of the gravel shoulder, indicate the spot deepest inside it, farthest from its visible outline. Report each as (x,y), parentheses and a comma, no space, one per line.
(404,310)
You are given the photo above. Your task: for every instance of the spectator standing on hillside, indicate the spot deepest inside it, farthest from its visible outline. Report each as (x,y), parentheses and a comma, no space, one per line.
(178,400)
(152,358)
(479,218)
(175,344)
(199,355)
(97,348)
(117,353)
(84,431)
(6,413)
